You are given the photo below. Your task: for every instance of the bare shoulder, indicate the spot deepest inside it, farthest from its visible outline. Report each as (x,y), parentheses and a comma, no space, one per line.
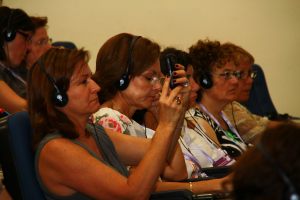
(62,150)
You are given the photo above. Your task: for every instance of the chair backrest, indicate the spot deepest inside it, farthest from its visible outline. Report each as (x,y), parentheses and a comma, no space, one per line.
(65,44)
(7,163)
(260,101)
(21,174)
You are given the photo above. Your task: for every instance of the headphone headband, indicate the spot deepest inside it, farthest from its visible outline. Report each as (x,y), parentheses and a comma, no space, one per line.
(124,80)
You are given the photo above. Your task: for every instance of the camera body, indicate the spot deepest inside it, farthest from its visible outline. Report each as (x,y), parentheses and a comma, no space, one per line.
(170,61)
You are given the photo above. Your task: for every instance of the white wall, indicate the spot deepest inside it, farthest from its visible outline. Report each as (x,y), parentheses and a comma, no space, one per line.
(269,29)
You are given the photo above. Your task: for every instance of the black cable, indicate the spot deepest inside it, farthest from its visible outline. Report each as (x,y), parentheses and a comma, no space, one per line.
(199,129)
(233,117)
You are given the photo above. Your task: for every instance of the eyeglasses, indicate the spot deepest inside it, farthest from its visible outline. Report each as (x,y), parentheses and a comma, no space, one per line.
(153,80)
(229,74)
(42,42)
(250,73)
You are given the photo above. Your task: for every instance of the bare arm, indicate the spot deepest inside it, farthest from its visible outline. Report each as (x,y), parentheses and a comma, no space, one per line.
(60,160)
(9,100)
(198,187)
(131,151)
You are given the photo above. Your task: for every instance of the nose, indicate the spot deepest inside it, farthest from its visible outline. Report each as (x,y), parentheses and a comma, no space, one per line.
(234,80)
(249,80)
(194,86)
(95,88)
(157,85)
(47,47)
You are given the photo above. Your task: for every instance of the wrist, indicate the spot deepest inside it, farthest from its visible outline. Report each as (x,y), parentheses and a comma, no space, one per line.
(191,186)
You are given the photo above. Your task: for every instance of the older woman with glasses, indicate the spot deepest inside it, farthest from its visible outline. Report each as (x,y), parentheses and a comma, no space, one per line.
(39,42)
(218,77)
(249,125)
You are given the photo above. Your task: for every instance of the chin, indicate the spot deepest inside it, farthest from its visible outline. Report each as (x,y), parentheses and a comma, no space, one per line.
(95,108)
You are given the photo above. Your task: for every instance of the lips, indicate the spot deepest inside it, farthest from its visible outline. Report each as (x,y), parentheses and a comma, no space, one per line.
(95,100)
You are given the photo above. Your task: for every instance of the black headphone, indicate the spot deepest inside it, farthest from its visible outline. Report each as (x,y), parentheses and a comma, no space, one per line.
(205,79)
(59,97)
(292,193)
(9,33)
(125,79)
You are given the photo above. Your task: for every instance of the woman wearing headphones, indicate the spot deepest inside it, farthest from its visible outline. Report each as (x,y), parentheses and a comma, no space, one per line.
(139,56)
(79,161)
(16,29)
(128,72)
(218,78)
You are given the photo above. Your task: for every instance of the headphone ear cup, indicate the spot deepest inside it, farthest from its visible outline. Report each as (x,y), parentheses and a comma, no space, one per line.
(205,81)
(9,35)
(123,82)
(60,99)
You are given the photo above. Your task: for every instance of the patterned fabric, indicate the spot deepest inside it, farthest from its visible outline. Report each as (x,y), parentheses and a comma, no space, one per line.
(248,125)
(230,142)
(113,119)
(205,152)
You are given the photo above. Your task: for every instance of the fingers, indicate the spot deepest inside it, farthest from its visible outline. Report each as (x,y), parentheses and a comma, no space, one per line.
(179,76)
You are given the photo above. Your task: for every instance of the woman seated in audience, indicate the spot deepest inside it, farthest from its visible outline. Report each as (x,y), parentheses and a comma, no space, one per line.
(39,41)
(61,97)
(195,143)
(197,147)
(134,62)
(118,107)
(218,78)
(248,125)
(270,170)
(16,29)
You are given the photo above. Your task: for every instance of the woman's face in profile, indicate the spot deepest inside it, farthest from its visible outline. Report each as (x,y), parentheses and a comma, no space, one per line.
(194,86)
(245,83)
(82,92)
(16,49)
(143,90)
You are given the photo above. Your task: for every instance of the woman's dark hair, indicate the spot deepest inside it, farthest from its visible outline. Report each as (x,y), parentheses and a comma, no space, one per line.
(60,65)
(13,19)
(239,54)
(182,58)
(206,54)
(255,177)
(112,61)
(39,22)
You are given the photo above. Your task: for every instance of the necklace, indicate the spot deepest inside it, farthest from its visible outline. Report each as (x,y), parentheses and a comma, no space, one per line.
(231,127)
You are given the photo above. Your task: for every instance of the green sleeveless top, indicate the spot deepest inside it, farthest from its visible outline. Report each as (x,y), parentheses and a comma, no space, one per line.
(105,146)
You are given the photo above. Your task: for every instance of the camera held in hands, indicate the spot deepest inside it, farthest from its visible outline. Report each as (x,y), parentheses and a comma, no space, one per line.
(170,61)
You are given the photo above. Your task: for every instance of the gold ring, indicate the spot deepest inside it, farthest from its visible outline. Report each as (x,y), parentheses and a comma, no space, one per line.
(178,100)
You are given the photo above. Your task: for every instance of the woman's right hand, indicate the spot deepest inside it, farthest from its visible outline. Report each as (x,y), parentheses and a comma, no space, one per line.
(173,103)
(212,185)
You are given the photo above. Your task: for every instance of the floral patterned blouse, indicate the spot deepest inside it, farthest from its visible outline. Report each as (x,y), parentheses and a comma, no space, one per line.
(113,119)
